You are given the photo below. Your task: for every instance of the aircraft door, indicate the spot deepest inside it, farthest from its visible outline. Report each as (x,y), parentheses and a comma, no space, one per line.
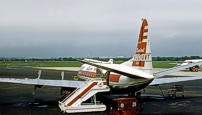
(99,73)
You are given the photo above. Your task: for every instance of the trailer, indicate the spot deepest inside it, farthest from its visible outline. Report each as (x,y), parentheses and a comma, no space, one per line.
(176,91)
(126,106)
(193,69)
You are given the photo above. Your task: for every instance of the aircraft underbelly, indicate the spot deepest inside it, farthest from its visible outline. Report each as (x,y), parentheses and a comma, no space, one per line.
(128,85)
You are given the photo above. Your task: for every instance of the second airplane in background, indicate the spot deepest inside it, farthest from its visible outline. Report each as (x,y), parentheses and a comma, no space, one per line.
(186,62)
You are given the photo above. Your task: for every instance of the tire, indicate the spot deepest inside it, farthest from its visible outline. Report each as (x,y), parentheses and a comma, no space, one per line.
(182,96)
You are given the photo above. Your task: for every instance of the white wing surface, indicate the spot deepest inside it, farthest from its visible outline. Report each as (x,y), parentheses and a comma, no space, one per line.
(172,80)
(174,69)
(61,83)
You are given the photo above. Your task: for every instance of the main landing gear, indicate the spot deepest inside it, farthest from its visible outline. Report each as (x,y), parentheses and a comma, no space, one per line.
(135,94)
(35,87)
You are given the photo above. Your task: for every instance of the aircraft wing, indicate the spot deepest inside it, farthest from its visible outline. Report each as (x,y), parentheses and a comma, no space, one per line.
(158,81)
(174,69)
(120,69)
(61,83)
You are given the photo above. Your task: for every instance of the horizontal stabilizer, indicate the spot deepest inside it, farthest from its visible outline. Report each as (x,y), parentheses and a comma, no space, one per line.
(174,69)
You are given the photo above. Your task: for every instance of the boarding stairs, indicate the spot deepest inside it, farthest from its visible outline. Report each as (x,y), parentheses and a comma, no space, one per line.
(73,102)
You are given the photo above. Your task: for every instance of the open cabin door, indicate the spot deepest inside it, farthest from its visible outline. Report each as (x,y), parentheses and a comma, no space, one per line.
(99,73)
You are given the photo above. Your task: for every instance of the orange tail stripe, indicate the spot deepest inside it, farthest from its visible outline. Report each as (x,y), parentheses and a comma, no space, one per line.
(138,63)
(145,30)
(144,37)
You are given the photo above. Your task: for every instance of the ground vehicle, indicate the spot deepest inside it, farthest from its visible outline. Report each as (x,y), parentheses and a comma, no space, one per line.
(176,91)
(193,69)
(126,106)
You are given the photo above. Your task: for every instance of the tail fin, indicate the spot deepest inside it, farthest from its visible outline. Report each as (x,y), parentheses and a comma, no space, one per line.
(111,61)
(142,59)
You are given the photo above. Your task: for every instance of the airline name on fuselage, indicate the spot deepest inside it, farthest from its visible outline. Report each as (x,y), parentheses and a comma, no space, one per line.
(90,68)
(142,57)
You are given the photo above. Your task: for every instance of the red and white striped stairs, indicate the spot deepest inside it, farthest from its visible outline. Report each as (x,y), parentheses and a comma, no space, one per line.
(73,102)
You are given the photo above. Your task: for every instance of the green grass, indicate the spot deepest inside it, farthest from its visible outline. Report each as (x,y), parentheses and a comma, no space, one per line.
(42,63)
(156,64)
(164,64)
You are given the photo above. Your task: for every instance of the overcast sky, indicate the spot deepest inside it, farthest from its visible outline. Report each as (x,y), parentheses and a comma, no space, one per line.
(54,28)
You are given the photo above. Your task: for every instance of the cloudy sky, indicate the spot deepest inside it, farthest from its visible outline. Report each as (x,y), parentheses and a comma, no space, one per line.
(54,28)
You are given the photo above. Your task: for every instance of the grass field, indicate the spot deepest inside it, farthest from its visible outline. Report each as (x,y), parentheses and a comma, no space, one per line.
(156,64)
(42,63)
(164,64)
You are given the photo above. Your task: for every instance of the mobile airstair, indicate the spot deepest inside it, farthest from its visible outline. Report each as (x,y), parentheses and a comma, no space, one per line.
(73,102)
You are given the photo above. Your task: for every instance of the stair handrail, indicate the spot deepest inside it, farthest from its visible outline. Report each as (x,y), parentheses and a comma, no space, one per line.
(95,79)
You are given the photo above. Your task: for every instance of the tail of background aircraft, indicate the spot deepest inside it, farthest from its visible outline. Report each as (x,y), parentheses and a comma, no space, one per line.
(111,61)
(142,59)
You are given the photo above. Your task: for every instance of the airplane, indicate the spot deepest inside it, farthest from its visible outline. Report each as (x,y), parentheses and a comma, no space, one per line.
(126,78)
(186,62)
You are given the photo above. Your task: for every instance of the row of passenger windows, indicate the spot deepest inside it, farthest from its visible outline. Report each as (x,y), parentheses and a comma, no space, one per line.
(88,74)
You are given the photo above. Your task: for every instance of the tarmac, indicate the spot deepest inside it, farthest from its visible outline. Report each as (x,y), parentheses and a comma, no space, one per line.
(18,98)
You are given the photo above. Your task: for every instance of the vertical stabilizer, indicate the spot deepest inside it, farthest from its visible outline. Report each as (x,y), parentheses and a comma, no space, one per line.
(142,59)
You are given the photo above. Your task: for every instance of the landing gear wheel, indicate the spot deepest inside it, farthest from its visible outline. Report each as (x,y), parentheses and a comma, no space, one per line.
(182,96)
(173,96)
(131,94)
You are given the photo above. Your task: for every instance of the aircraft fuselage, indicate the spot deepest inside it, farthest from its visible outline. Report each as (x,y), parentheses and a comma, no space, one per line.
(118,84)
